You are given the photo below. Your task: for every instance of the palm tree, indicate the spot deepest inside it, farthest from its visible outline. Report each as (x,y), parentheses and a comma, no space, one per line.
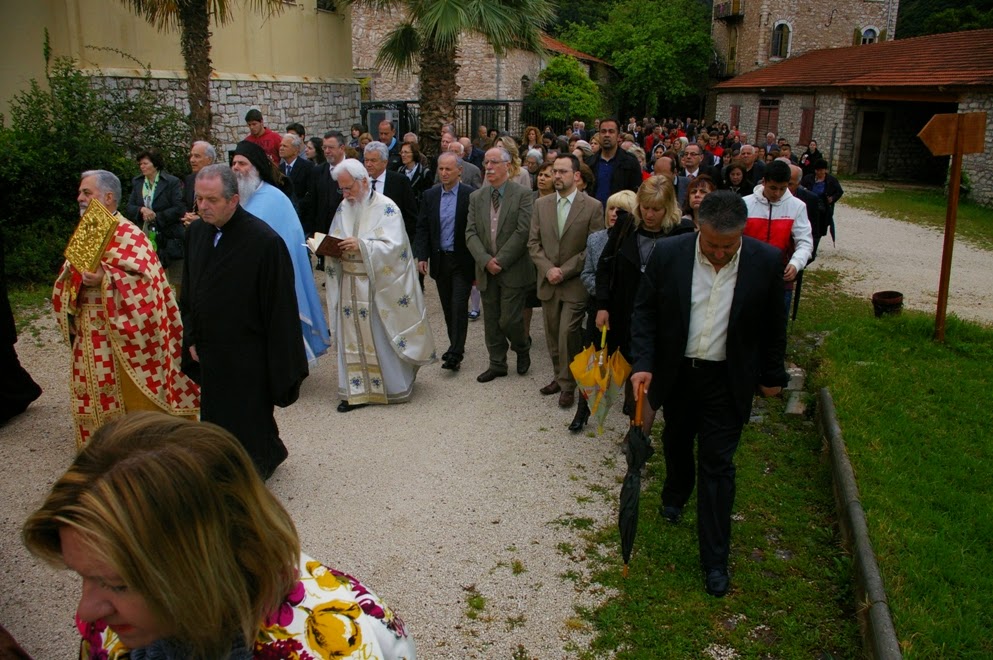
(430,33)
(193,17)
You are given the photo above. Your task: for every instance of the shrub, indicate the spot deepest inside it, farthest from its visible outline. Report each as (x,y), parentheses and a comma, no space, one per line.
(565,79)
(77,124)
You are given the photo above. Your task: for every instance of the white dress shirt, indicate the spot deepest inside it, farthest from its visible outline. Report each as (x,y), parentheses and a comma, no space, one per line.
(710,306)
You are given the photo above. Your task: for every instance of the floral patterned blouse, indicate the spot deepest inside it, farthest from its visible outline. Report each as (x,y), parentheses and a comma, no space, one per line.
(328,615)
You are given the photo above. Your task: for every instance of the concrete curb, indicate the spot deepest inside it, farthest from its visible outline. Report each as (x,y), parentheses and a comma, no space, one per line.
(878,633)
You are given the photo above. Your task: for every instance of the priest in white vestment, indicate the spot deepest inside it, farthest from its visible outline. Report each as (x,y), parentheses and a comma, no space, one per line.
(377,315)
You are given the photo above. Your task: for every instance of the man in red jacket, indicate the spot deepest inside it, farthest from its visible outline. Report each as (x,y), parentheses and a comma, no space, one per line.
(258,134)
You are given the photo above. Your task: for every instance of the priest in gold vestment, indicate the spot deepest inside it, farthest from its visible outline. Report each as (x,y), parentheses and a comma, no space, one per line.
(123,325)
(377,315)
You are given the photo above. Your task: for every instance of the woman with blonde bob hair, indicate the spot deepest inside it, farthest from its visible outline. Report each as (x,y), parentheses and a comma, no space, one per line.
(184,553)
(630,245)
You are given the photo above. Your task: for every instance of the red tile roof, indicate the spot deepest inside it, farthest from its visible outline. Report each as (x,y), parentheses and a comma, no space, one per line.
(953,59)
(557,46)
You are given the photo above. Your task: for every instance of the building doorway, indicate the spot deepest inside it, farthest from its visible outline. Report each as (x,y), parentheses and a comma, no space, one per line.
(872,131)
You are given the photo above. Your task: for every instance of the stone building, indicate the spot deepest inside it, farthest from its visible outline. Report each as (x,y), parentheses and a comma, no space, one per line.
(751,34)
(483,75)
(294,66)
(865,104)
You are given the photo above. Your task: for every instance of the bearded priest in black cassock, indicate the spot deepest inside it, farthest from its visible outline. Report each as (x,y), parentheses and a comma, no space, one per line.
(242,340)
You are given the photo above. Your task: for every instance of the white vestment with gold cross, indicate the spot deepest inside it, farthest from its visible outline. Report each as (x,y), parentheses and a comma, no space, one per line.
(377,315)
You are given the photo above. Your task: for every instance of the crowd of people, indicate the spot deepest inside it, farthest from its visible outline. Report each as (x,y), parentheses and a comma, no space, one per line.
(676,239)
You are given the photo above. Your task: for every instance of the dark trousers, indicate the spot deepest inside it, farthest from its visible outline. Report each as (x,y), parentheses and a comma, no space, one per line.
(701,407)
(454,285)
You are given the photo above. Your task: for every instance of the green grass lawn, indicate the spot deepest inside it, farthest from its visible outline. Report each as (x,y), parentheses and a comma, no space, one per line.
(928,207)
(915,416)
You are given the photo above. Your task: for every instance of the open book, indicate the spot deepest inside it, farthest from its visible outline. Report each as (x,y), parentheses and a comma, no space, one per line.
(324,246)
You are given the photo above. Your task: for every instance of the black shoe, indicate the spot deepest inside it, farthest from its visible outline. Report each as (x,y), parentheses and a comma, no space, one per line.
(717,582)
(452,363)
(523,362)
(345,406)
(582,416)
(671,513)
(489,375)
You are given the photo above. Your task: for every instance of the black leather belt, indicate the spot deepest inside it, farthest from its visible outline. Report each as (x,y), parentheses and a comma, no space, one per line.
(699,363)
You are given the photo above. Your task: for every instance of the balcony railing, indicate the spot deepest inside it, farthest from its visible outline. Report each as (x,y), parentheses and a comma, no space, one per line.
(729,10)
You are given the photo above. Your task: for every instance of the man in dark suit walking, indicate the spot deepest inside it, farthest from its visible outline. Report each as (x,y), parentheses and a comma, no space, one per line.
(394,185)
(441,243)
(297,169)
(708,329)
(323,197)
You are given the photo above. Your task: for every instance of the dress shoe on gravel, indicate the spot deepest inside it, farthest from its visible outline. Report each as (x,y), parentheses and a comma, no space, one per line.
(717,582)
(489,375)
(345,406)
(523,362)
(551,388)
(567,399)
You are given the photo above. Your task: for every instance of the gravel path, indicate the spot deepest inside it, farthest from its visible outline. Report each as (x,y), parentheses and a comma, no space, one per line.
(454,493)
(878,254)
(468,488)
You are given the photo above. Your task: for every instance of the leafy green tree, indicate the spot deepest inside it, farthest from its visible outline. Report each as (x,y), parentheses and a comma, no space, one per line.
(662,49)
(428,37)
(921,17)
(565,79)
(192,19)
(582,12)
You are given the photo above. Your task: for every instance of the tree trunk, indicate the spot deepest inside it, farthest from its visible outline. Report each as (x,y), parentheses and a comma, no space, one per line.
(438,93)
(194,42)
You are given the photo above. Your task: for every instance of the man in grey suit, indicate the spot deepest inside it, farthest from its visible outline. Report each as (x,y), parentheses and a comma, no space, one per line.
(497,235)
(560,225)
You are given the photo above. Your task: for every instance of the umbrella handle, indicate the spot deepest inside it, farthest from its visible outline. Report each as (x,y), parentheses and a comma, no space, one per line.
(603,336)
(639,396)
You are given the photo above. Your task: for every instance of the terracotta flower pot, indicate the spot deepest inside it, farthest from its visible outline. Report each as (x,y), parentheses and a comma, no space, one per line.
(887,302)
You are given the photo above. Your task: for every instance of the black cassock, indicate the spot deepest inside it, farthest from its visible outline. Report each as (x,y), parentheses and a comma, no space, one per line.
(240,311)
(17,388)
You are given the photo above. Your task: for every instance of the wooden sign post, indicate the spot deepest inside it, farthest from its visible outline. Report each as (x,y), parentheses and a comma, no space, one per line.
(952,135)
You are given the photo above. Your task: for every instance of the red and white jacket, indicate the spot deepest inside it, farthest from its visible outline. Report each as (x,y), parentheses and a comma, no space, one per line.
(783,224)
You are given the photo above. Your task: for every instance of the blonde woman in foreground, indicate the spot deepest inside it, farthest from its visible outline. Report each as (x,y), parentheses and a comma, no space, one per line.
(184,554)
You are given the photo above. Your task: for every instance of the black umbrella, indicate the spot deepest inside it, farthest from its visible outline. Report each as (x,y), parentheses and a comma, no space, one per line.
(796,293)
(638,448)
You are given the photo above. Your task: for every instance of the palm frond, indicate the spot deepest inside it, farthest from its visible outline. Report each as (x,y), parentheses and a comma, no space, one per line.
(162,14)
(443,21)
(401,46)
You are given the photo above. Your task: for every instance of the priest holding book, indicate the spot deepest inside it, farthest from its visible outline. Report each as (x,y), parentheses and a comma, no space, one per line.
(377,315)
(119,316)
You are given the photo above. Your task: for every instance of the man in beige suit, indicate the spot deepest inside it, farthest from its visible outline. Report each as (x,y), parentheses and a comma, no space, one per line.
(497,234)
(560,226)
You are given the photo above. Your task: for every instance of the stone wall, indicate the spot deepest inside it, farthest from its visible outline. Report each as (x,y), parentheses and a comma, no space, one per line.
(979,167)
(813,25)
(482,74)
(318,105)
(905,156)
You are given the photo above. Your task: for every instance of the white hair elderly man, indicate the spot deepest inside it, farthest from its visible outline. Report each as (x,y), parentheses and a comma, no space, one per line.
(265,201)
(376,307)
(122,324)
(201,154)
(471,175)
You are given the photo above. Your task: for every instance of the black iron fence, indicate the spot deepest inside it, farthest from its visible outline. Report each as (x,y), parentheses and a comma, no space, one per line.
(510,116)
